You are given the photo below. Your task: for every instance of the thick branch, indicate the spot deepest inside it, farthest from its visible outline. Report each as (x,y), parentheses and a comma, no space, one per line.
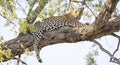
(64,34)
(105,14)
(68,34)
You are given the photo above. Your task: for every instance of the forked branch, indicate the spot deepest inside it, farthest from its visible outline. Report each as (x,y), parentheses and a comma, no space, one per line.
(32,15)
(102,26)
(113,59)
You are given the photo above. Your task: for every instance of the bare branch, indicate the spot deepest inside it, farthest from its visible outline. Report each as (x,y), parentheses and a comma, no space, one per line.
(117,48)
(102,48)
(90,10)
(112,60)
(20,61)
(22,8)
(107,52)
(115,35)
(76,1)
(8,20)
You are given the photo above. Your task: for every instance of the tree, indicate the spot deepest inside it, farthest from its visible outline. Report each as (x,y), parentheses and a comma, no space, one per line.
(104,24)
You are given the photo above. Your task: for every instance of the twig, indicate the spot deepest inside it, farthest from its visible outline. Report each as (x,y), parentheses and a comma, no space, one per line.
(115,51)
(22,8)
(107,52)
(19,60)
(84,3)
(76,1)
(67,6)
(101,47)
(115,35)
(90,10)
(117,46)
(8,20)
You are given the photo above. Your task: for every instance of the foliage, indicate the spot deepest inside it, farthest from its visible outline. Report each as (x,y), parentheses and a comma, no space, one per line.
(24,26)
(91,58)
(26,51)
(8,10)
(4,53)
(92,55)
(2,40)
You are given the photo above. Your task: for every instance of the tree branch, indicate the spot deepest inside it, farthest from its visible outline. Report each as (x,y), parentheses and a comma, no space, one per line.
(67,34)
(105,14)
(31,5)
(8,20)
(107,52)
(22,8)
(90,10)
(20,61)
(64,34)
(112,60)
(32,15)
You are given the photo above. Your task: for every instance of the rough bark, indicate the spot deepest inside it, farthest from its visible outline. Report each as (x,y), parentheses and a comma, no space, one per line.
(69,34)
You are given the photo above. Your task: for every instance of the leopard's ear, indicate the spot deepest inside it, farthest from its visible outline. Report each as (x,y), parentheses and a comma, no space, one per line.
(73,7)
(76,12)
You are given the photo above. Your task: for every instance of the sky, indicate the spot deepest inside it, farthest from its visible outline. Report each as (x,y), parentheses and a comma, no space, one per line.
(63,53)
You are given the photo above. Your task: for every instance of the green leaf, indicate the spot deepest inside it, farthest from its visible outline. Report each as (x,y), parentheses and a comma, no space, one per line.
(3,13)
(7,23)
(95,53)
(26,51)
(10,8)
(23,26)
(1,38)
(2,3)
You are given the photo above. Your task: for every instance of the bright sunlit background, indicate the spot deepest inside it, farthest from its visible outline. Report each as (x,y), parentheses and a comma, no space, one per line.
(60,54)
